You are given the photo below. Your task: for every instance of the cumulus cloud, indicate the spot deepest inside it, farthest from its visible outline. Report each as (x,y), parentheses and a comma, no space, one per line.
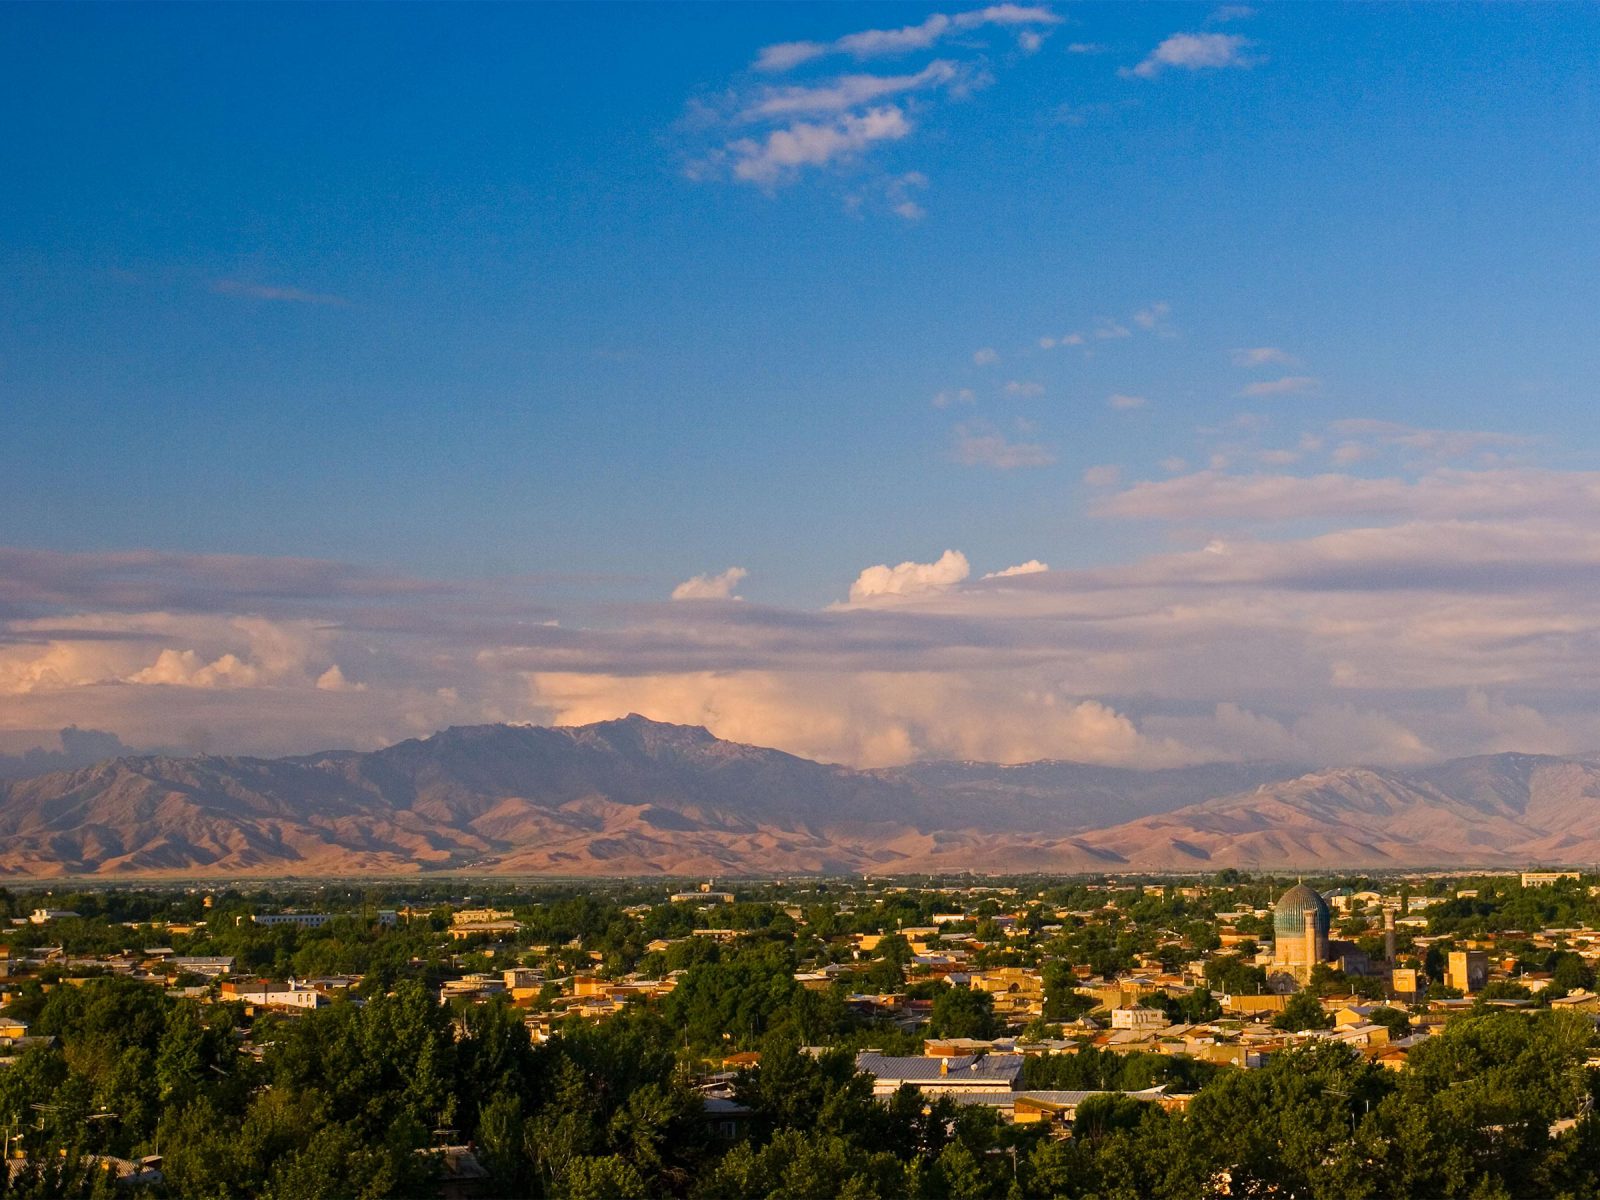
(711,587)
(985,357)
(1433,611)
(67,749)
(882,719)
(1195,52)
(333,680)
(185,668)
(1122,401)
(1025,388)
(953,396)
(978,445)
(911,578)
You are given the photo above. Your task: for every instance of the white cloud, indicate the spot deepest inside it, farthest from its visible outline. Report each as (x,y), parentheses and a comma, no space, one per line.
(775,134)
(1107,330)
(333,680)
(711,587)
(1122,401)
(1440,444)
(1032,567)
(1066,339)
(897,192)
(1346,453)
(1231,12)
(845,92)
(1195,52)
(1256,356)
(1107,475)
(784,153)
(876,719)
(911,578)
(1087,48)
(977,445)
(1289,385)
(1025,388)
(1444,493)
(1457,611)
(785,56)
(875,43)
(986,357)
(1154,317)
(953,396)
(185,668)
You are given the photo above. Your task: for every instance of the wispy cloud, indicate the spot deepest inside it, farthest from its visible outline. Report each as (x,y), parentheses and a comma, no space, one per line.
(1288,385)
(1436,444)
(1032,567)
(978,445)
(1258,356)
(841,124)
(1195,52)
(780,156)
(985,357)
(1155,318)
(286,295)
(878,43)
(1122,401)
(1445,493)
(846,92)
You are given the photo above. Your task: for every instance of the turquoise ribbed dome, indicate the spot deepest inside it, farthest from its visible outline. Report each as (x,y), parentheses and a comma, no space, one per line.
(1289,917)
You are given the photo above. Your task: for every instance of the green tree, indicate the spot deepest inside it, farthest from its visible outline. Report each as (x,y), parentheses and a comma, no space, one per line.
(1302,1012)
(963,1013)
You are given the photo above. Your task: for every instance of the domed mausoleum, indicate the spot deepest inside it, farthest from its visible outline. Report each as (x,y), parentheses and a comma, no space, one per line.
(1300,925)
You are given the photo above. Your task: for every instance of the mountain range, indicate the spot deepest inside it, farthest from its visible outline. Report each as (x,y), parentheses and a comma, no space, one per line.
(639,797)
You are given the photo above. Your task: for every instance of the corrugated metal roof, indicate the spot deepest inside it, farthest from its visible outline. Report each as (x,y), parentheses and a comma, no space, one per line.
(988,1068)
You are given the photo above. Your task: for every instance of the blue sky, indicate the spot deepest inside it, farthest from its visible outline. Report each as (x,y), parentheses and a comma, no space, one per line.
(529,301)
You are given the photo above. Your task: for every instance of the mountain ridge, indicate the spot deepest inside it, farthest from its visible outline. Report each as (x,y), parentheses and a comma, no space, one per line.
(634,796)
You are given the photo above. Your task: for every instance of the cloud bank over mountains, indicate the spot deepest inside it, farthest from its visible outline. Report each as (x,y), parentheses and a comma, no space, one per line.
(1316,616)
